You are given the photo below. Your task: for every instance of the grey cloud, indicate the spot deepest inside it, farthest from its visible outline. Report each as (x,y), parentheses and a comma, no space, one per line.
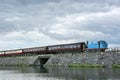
(5,27)
(31,15)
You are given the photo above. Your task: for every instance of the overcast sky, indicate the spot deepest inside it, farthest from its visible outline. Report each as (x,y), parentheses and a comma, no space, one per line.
(29,23)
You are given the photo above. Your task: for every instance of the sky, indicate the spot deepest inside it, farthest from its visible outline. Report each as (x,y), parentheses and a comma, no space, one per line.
(32,23)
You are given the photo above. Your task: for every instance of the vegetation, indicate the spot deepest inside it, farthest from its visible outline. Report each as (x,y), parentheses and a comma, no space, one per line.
(86,65)
(116,66)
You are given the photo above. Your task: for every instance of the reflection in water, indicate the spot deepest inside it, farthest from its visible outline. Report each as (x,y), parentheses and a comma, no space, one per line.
(58,73)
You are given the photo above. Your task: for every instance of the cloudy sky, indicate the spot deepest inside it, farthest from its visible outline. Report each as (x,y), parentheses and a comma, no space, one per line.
(29,23)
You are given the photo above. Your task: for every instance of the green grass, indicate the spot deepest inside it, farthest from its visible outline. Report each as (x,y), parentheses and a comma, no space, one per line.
(86,65)
(116,66)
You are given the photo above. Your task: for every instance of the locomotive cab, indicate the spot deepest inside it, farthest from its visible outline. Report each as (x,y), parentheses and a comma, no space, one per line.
(102,44)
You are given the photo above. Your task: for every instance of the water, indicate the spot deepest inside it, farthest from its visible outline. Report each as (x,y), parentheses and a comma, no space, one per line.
(58,73)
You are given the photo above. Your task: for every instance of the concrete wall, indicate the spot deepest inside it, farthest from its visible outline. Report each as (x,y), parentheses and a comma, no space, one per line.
(106,59)
(18,61)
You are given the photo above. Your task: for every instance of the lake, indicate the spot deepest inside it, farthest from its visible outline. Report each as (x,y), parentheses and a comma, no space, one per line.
(58,73)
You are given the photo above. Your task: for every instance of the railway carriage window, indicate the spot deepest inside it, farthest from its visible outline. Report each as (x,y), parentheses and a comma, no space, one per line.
(38,49)
(70,46)
(74,46)
(42,48)
(2,52)
(50,48)
(58,47)
(27,50)
(65,46)
(55,47)
(77,45)
(33,50)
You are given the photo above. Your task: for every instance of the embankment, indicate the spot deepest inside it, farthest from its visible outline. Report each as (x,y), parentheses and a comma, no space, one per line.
(107,59)
(100,59)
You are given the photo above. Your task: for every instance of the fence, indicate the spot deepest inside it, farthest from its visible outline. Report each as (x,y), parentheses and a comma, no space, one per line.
(114,49)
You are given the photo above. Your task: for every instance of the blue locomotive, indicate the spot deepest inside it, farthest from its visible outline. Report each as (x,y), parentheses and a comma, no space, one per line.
(99,45)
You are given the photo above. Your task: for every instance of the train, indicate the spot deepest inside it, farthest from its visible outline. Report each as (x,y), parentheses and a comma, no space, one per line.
(61,48)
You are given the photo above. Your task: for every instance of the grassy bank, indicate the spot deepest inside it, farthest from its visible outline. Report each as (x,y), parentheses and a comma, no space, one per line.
(116,66)
(86,65)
